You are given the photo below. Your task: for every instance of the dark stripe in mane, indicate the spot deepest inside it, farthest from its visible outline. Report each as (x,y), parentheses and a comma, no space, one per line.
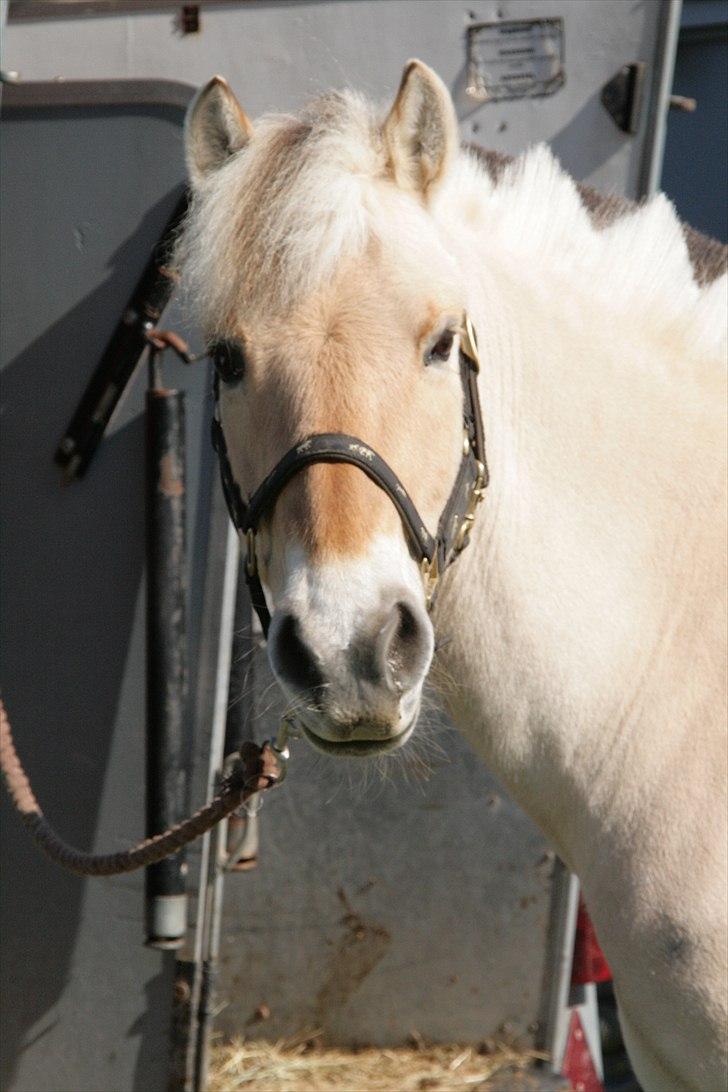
(708,257)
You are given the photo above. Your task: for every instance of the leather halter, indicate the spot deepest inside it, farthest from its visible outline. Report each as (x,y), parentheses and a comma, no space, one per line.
(457,517)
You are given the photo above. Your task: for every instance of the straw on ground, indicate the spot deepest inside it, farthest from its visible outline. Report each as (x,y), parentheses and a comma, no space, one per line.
(298,1065)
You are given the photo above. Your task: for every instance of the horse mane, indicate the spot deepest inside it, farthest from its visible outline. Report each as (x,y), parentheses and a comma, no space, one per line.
(636,260)
(310,191)
(708,257)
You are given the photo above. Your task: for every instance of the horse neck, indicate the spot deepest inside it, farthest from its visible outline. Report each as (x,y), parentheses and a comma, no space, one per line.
(560,615)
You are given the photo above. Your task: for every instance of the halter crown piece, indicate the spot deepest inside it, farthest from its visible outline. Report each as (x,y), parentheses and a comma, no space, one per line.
(457,517)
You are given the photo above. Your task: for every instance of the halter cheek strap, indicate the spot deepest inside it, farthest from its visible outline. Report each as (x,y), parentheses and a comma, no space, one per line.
(458,515)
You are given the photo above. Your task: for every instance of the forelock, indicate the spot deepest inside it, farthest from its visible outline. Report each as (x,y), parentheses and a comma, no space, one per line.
(280,215)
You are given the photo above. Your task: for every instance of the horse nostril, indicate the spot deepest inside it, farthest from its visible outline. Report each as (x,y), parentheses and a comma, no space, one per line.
(292,658)
(406,631)
(405,646)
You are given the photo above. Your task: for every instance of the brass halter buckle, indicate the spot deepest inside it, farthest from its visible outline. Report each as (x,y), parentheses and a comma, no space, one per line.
(477,494)
(430,576)
(469,342)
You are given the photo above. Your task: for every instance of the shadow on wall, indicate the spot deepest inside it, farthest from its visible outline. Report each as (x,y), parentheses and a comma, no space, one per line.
(72,565)
(574,145)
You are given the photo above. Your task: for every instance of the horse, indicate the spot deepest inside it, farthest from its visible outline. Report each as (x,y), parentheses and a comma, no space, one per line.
(341,263)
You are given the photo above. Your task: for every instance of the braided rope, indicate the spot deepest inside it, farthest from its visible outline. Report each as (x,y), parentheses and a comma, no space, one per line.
(256,771)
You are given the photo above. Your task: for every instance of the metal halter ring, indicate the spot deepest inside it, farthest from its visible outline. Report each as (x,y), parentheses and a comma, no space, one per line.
(286,730)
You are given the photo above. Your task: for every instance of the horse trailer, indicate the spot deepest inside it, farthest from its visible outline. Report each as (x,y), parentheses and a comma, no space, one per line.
(375,909)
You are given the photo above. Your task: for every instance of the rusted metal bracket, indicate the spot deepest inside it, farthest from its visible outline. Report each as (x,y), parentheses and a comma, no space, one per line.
(121,356)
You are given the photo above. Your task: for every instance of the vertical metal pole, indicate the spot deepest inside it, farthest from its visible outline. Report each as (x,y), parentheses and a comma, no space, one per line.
(665,51)
(235,730)
(563,997)
(167,686)
(242,826)
(564,906)
(211,875)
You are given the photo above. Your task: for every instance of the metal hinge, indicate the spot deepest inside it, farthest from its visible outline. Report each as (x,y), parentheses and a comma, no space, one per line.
(623,96)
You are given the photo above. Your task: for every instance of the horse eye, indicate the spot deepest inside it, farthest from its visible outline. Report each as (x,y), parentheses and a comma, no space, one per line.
(229,361)
(442,348)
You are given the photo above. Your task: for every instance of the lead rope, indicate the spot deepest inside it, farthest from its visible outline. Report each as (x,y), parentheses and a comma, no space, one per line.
(253,770)
(256,769)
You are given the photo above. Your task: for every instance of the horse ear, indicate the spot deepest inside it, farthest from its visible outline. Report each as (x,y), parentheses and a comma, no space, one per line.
(421,131)
(216,126)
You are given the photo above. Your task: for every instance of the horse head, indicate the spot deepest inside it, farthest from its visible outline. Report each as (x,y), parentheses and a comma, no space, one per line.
(332,305)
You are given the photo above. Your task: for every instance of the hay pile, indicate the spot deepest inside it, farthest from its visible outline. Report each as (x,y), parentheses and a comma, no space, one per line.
(303,1066)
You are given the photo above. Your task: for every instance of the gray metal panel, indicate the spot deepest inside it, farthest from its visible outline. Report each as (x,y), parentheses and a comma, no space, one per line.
(85,195)
(277,54)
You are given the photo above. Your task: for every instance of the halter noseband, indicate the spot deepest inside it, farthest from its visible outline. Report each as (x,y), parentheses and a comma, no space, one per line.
(457,516)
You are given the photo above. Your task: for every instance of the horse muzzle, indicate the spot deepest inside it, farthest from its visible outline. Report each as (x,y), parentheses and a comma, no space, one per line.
(362,696)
